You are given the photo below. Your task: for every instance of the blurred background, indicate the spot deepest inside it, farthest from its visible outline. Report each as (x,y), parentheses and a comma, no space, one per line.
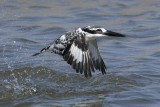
(133,74)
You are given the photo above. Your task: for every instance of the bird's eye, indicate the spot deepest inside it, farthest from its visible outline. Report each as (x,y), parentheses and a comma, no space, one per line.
(99,31)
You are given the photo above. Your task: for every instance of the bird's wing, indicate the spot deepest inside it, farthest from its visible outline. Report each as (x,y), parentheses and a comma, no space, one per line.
(84,56)
(59,45)
(96,57)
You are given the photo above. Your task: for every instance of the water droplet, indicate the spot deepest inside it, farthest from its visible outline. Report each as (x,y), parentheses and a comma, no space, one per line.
(34,89)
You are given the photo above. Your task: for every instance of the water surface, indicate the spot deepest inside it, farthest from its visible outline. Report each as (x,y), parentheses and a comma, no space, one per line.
(132,79)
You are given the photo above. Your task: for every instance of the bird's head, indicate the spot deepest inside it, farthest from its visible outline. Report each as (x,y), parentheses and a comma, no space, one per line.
(99,31)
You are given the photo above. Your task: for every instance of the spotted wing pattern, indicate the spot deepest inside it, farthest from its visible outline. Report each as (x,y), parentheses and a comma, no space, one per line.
(84,56)
(61,43)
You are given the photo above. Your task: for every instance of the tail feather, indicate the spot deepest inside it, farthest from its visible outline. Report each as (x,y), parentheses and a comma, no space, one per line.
(42,51)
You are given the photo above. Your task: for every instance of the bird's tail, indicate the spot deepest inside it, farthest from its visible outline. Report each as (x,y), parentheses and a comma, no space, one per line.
(42,51)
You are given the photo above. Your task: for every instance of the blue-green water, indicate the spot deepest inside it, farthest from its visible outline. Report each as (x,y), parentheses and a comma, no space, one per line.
(133,75)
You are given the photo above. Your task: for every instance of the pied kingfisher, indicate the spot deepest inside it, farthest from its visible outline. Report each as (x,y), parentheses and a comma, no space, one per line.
(79,48)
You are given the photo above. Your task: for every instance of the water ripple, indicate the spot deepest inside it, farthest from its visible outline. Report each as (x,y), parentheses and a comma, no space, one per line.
(132,77)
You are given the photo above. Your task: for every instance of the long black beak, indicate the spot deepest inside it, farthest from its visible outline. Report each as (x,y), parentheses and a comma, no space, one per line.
(115,34)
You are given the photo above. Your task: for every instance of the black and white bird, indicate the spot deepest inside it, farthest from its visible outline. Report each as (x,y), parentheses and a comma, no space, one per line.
(79,48)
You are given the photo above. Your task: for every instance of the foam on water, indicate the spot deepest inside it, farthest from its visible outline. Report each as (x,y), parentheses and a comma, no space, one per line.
(132,77)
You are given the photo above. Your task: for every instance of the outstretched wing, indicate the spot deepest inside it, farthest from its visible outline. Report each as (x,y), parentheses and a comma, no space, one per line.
(84,56)
(96,57)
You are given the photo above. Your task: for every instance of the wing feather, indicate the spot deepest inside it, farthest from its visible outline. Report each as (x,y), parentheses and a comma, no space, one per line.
(96,57)
(84,56)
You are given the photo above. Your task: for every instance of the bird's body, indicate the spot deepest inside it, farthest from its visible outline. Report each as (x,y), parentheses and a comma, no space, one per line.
(79,48)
